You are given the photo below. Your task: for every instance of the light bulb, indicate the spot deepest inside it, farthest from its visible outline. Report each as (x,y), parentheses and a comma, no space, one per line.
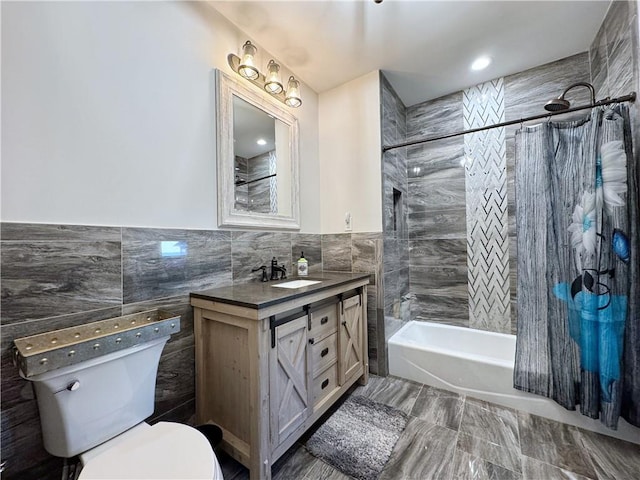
(273,85)
(247,67)
(292,97)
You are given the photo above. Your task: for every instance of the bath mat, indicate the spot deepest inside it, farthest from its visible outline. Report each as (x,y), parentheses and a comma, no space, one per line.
(358,438)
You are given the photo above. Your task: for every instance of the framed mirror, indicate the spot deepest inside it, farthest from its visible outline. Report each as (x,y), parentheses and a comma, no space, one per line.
(257,160)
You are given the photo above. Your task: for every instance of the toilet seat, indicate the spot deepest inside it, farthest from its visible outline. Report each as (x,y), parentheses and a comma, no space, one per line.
(163,451)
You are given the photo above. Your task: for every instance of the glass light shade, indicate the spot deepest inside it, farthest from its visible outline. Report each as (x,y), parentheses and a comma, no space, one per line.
(247,67)
(272,83)
(292,98)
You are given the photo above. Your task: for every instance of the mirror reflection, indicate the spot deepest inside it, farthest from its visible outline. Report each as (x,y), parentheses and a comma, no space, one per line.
(257,159)
(261,164)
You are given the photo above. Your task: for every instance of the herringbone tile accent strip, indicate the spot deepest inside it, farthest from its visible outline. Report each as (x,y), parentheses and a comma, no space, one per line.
(273,182)
(486,198)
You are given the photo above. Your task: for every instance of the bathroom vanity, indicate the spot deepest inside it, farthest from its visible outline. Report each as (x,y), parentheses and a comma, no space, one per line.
(271,360)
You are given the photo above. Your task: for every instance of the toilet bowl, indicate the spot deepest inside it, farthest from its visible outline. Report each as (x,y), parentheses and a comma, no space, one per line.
(163,451)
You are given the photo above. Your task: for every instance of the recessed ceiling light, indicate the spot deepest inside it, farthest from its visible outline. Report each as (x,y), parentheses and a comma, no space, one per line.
(261,141)
(481,63)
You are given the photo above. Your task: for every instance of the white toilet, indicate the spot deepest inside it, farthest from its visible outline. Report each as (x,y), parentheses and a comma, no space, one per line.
(96,409)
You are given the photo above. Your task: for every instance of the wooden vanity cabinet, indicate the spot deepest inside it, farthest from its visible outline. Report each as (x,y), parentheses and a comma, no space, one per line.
(265,375)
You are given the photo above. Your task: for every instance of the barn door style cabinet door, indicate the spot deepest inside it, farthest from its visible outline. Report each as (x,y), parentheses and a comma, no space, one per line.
(289,385)
(267,369)
(351,347)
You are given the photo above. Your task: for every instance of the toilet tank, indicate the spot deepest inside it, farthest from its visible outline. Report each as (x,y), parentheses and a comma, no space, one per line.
(86,404)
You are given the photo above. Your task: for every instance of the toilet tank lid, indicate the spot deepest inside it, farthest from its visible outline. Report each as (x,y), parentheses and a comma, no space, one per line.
(164,451)
(49,351)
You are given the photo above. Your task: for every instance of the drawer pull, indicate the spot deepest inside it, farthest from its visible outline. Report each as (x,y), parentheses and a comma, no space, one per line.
(324,384)
(324,320)
(324,352)
(312,341)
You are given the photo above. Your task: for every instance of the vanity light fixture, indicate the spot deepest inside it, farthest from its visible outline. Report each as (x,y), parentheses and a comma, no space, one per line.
(293,93)
(247,67)
(271,82)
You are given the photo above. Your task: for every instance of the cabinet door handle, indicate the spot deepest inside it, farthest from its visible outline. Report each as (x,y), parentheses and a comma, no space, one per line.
(324,384)
(312,341)
(324,352)
(344,322)
(324,320)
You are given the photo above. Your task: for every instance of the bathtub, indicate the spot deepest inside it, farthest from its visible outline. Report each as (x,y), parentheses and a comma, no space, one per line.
(479,364)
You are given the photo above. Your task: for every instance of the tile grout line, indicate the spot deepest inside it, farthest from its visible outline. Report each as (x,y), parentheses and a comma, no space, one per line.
(520,443)
(416,400)
(455,446)
(587,450)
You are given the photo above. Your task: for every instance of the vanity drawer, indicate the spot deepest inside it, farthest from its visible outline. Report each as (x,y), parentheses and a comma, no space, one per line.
(324,353)
(325,383)
(324,321)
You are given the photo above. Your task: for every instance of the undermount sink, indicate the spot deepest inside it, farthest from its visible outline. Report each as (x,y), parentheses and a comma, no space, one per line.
(296,283)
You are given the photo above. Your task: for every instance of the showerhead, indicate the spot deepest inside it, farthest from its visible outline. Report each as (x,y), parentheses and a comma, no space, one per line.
(559,104)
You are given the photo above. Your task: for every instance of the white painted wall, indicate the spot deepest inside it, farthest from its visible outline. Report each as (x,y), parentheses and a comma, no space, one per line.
(350,155)
(107,114)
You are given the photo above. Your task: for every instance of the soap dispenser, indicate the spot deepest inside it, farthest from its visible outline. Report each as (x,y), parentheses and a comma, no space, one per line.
(303,266)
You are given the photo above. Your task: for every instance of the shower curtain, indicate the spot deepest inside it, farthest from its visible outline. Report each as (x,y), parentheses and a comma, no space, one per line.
(578,302)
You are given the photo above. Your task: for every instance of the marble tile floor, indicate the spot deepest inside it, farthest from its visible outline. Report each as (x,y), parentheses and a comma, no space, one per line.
(449,436)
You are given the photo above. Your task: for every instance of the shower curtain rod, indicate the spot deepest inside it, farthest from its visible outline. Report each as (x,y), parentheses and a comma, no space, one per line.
(626,98)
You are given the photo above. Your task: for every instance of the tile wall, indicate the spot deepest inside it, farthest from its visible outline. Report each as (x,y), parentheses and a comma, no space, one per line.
(395,207)
(57,276)
(486,198)
(437,213)
(458,276)
(442,245)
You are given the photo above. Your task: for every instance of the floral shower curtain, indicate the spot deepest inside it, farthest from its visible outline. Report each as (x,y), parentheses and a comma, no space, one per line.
(578,273)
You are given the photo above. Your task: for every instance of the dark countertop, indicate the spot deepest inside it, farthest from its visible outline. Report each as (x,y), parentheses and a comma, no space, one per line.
(262,294)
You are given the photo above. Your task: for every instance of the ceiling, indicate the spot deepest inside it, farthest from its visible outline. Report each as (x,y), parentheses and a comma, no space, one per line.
(425,48)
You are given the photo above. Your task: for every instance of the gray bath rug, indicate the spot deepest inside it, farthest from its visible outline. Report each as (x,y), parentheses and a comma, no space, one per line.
(358,438)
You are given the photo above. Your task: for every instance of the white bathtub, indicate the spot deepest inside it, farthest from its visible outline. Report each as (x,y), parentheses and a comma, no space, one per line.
(478,364)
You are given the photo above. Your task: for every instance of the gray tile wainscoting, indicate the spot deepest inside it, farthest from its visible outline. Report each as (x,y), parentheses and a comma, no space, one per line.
(366,256)
(252,249)
(336,252)
(311,246)
(57,276)
(152,270)
(50,270)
